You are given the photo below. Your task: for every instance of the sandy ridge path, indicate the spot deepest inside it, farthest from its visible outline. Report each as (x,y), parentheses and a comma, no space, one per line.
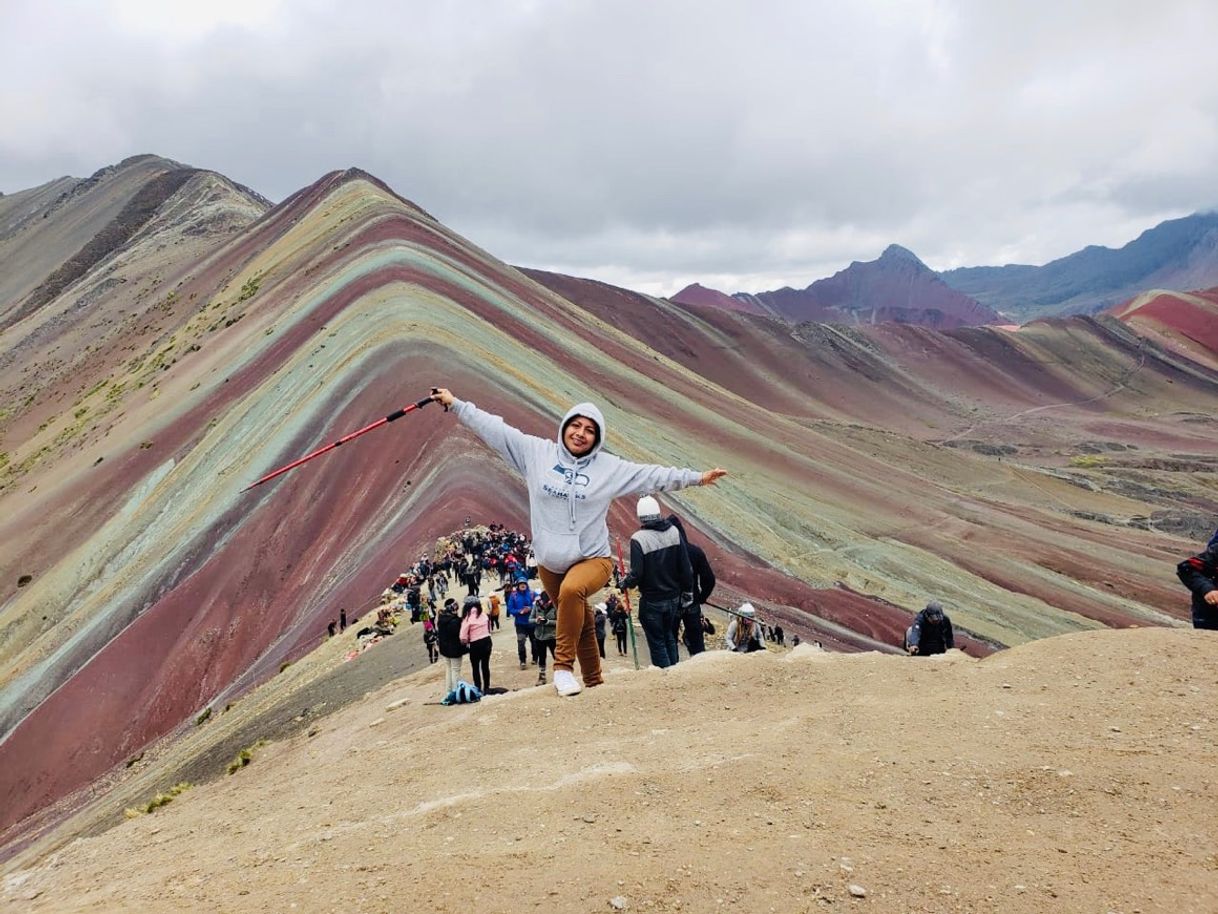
(1074,774)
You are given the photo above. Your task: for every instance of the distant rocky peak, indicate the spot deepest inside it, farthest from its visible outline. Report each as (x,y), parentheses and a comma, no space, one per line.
(146,159)
(895,253)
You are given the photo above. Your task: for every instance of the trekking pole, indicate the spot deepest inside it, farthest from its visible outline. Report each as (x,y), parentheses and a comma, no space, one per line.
(732,612)
(621,570)
(343,440)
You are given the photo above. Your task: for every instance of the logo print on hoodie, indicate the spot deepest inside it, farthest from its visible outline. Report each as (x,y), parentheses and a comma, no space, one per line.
(567,474)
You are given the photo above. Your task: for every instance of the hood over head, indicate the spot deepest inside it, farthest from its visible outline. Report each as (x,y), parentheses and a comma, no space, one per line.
(589,411)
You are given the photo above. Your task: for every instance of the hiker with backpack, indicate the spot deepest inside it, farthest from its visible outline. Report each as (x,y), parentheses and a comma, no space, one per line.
(1200,575)
(448,640)
(931,632)
(429,640)
(599,618)
(571,483)
(704,584)
(493,611)
(545,627)
(618,620)
(660,569)
(476,636)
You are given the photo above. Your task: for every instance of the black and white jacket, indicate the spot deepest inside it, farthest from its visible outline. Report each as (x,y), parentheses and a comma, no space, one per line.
(659,563)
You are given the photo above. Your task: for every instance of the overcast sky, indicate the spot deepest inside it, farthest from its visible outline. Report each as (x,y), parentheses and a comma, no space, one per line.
(648,143)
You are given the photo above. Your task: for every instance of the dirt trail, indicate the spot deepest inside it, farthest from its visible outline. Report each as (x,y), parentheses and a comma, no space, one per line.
(1075,774)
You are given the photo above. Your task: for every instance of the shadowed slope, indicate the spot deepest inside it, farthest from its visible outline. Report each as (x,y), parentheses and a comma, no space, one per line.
(49,241)
(159,587)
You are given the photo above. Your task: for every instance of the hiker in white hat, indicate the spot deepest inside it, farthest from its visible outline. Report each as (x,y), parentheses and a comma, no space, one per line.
(660,569)
(744,633)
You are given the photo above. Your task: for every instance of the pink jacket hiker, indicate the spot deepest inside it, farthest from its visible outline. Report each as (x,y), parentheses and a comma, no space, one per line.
(475,627)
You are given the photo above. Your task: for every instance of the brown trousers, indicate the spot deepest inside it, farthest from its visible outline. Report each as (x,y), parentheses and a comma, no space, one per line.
(576,635)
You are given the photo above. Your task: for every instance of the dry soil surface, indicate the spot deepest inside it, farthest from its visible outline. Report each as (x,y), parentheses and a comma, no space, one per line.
(1075,774)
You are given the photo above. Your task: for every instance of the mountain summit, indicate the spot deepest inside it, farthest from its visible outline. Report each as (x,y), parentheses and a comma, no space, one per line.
(895,287)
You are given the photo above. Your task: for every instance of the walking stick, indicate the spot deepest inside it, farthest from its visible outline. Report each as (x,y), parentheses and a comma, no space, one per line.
(621,570)
(731,612)
(329,447)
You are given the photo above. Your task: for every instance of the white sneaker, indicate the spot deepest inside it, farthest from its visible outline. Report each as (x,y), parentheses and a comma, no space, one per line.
(565,684)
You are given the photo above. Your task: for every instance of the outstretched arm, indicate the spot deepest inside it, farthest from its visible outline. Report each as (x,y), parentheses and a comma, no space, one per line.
(510,443)
(644,478)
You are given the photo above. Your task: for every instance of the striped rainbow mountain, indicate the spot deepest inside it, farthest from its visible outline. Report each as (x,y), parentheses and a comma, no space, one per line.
(169,337)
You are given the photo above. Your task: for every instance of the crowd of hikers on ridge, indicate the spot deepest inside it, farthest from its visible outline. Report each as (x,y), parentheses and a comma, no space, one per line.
(500,560)
(571,482)
(674,579)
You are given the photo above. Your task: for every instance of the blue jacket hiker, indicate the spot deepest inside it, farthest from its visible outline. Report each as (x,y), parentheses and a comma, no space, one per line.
(520,607)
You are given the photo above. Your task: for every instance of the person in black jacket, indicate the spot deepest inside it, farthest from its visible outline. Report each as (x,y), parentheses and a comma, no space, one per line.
(448,635)
(618,620)
(660,569)
(704,585)
(1200,575)
(931,632)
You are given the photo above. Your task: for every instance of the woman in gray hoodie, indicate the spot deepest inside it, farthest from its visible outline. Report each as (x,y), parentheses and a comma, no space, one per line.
(571,484)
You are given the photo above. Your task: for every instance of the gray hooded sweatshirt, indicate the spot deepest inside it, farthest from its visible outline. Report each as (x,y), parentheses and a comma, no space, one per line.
(568,498)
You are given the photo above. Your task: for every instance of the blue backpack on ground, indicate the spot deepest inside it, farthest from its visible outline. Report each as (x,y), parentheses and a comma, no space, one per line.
(462,694)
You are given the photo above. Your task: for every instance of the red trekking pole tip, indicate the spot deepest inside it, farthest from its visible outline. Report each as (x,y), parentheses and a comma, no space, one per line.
(397,414)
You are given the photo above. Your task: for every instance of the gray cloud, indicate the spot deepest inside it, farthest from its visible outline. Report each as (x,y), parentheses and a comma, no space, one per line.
(649,142)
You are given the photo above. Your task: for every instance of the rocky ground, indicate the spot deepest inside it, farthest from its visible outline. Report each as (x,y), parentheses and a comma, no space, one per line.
(1074,774)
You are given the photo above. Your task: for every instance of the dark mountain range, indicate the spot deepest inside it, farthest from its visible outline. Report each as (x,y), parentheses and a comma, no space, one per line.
(1178,255)
(897,287)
